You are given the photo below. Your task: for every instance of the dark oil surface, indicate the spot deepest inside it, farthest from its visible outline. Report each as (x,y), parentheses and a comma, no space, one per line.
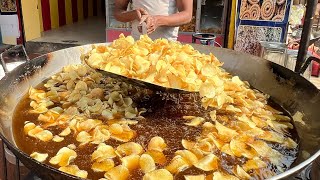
(163,119)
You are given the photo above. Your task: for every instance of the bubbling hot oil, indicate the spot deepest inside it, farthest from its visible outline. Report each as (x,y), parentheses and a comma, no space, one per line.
(164,119)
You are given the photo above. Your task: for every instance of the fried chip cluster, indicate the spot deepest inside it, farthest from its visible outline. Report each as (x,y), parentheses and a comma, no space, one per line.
(161,62)
(80,103)
(239,125)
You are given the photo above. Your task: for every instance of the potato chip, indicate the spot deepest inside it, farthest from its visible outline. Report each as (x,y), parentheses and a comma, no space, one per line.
(157,144)
(158,174)
(289,143)
(195,177)
(177,165)
(272,136)
(280,127)
(130,148)
(65,132)
(205,146)
(259,122)
(74,170)
(219,176)
(213,115)
(187,144)
(208,163)
(116,129)
(81,86)
(245,119)
(102,166)
(175,81)
(49,117)
(254,132)
(188,117)
(157,156)
(195,122)
(255,163)
(36,94)
(88,124)
(233,109)
(28,127)
(225,132)
(63,157)
(95,59)
(141,65)
(83,137)
(41,157)
(207,90)
(242,174)
(103,152)
(264,150)
(131,162)
(240,148)
(44,135)
(96,93)
(217,142)
(119,172)
(187,156)
(207,128)
(34,131)
(57,138)
(226,149)
(280,117)
(298,117)
(100,135)
(147,163)
(72,146)
(107,114)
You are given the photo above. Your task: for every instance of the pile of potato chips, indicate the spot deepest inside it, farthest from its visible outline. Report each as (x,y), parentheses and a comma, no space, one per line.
(161,62)
(240,123)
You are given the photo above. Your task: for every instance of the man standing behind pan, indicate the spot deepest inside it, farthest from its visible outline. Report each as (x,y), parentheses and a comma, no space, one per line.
(162,18)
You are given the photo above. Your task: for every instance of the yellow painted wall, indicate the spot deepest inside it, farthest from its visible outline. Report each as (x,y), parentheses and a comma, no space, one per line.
(68,5)
(90,8)
(232,25)
(54,13)
(31,19)
(80,10)
(40,15)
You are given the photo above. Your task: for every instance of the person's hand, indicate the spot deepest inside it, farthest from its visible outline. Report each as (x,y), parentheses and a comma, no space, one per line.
(141,14)
(152,24)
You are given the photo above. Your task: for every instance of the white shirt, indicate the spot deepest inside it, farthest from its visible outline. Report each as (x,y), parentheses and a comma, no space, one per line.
(156,7)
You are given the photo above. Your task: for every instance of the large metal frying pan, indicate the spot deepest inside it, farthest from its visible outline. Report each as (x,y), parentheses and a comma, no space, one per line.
(286,88)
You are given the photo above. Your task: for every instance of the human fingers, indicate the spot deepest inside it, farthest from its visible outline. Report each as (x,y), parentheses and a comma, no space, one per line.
(143,11)
(151,30)
(150,21)
(143,18)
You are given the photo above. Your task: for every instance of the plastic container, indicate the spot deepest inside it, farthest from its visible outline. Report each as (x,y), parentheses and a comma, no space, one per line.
(291,60)
(273,51)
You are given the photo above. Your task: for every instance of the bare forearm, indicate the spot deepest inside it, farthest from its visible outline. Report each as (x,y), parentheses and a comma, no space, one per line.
(174,19)
(125,16)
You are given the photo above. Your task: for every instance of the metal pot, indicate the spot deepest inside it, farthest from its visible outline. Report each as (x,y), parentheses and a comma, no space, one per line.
(288,89)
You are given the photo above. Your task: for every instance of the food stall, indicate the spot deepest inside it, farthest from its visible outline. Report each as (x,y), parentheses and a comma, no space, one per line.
(208,17)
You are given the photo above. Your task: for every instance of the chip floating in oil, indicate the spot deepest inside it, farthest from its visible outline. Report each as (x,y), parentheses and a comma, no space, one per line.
(239,135)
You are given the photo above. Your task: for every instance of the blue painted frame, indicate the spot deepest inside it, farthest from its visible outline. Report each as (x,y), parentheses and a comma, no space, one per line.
(283,24)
